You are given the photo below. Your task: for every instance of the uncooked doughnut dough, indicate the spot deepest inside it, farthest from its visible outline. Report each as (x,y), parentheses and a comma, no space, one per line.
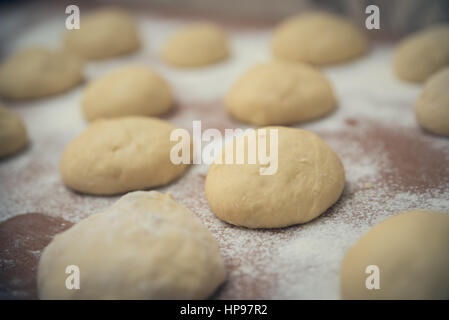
(318,38)
(432,107)
(280,93)
(411,252)
(135,90)
(104,33)
(37,72)
(118,155)
(196,45)
(13,134)
(421,54)
(309,179)
(145,246)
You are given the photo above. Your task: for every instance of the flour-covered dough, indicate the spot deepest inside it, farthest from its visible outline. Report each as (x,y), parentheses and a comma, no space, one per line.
(412,256)
(309,179)
(196,45)
(122,154)
(432,107)
(319,38)
(145,246)
(13,134)
(422,54)
(37,72)
(280,93)
(133,90)
(104,33)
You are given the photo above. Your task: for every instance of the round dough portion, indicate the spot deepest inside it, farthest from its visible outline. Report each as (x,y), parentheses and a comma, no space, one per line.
(135,90)
(411,252)
(432,107)
(13,134)
(103,34)
(309,179)
(37,72)
(196,45)
(318,38)
(113,156)
(422,54)
(145,246)
(280,93)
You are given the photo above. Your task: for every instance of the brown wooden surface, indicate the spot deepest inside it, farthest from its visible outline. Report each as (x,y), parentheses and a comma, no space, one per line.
(22,239)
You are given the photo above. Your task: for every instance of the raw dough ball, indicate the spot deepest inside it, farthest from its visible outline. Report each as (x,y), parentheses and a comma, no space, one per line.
(309,179)
(411,251)
(432,107)
(129,91)
(37,72)
(196,45)
(105,33)
(145,246)
(421,54)
(13,134)
(280,93)
(318,38)
(118,155)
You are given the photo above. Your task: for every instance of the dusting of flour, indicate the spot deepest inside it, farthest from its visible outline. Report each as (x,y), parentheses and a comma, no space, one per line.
(390,164)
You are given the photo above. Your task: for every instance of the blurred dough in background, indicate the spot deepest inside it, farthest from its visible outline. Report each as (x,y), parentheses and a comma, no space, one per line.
(103,34)
(145,246)
(114,156)
(319,38)
(13,134)
(309,179)
(280,93)
(411,252)
(422,54)
(432,107)
(37,72)
(196,45)
(133,90)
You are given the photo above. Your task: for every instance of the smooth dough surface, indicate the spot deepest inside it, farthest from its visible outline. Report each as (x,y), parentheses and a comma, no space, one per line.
(309,179)
(37,72)
(318,38)
(134,90)
(432,107)
(105,33)
(113,156)
(196,45)
(13,134)
(145,246)
(411,251)
(422,54)
(280,93)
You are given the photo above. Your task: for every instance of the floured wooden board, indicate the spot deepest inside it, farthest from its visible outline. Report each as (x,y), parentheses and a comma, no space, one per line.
(391,165)
(22,239)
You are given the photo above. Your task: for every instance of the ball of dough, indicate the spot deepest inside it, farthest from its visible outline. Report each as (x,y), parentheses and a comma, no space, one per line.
(280,93)
(421,54)
(411,252)
(318,38)
(103,34)
(118,155)
(196,45)
(145,246)
(37,72)
(309,179)
(13,134)
(432,107)
(129,91)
